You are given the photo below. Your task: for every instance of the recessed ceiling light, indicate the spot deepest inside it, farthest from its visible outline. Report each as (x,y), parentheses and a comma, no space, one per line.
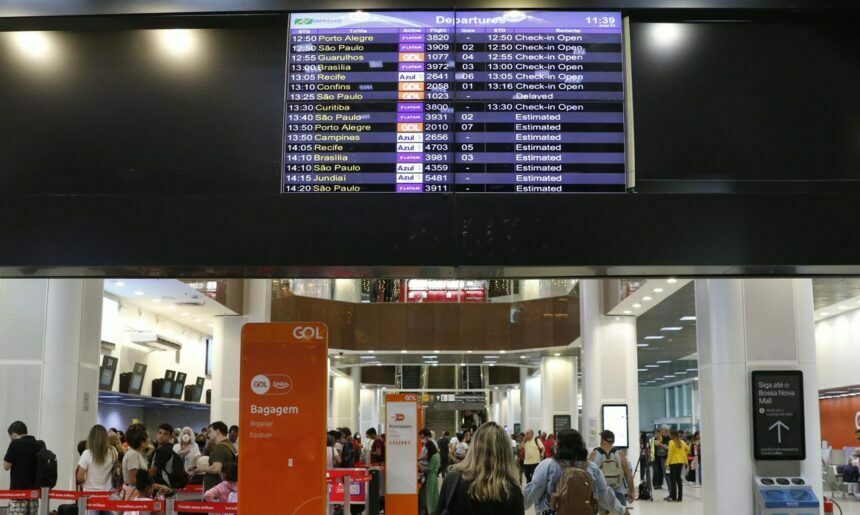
(371,352)
(436,352)
(688,319)
(627,312)
(431,356)
(658,290)
(403,352)
(139,293)
(642,370)
(671,280)
(641,344)
(492,364)
(156,300)
(379,364)
(673,328)
(663,362)
(652,366)
(491,357)
(338,356)
(668,377)
(637,305)
(654,337)
(468,352)
(522,357)
(646,298)
(557,354)
(368,357)
(435,364)
(503,352)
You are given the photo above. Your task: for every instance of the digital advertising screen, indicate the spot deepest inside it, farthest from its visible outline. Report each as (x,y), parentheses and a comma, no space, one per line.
(445,102)
(615,420)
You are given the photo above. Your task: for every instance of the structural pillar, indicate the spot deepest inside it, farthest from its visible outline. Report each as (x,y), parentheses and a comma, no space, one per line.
(745,325)
(609,366)
(50,337)
(227,346)
(559,391)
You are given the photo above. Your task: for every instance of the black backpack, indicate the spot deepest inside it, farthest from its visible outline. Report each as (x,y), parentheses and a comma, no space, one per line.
(46,468)
(347,458)
(644,492)
(174,472)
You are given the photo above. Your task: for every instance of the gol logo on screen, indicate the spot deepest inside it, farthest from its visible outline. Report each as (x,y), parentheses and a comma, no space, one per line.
(272,384)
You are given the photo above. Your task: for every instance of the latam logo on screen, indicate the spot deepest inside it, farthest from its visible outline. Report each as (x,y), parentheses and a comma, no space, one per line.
(271,384)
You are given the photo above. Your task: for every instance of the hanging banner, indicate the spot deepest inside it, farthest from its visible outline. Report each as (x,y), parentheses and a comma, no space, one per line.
(282,417)
(402,423)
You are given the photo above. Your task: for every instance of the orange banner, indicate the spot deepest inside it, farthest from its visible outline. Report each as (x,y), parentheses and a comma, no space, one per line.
(403,420)
(283,418)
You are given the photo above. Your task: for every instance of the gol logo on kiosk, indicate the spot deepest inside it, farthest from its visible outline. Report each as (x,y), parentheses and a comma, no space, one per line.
(271,384)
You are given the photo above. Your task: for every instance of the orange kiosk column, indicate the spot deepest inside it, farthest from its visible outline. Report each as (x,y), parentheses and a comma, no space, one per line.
(402,423)
(282,401)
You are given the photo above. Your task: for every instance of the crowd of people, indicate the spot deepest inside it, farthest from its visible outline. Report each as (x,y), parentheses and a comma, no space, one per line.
(135,466)
(670,454)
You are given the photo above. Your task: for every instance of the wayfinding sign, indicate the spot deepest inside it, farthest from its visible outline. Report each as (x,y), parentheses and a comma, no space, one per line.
(778,419)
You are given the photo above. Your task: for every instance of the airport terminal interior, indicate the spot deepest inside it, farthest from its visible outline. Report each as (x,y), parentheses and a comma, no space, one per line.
(430,258)
(629,355)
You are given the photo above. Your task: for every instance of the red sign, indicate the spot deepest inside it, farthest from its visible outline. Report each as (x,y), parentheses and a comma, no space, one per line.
(104,504)
(19,494)
(206,507)
(282,400)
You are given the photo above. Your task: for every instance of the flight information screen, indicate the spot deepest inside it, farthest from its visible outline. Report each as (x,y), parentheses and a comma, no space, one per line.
(443,102)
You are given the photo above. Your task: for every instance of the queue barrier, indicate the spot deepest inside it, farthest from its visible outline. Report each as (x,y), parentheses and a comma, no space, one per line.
(356,481)
(101,501)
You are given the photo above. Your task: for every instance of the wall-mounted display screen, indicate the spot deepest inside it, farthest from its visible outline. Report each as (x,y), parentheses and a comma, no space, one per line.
(466,101)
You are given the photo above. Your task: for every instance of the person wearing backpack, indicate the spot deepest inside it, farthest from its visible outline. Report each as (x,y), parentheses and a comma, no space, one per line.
(615,467)
(167,468)
(485,482)
(21,461)
(568,484)
(348,454)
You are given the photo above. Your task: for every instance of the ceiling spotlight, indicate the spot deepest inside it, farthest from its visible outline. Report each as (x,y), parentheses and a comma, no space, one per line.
(522,357)
(468,352)
(688,318)
(663,362)
(652,366)
(654,337)
(637,305)
(641,344)
(673,328)
(379,364)
(658,290)
(436,352)
(503,352)
(371,352)
(646,298)
(557,354)
(627,311)
(671,280)
(403,352)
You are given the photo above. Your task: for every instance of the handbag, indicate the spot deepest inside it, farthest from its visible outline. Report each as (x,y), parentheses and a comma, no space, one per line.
(455,477)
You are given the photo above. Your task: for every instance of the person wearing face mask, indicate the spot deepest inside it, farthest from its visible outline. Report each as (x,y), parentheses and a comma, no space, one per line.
(187,448)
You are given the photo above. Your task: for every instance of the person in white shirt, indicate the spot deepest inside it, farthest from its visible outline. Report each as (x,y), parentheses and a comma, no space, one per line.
(97,462)
(187,448)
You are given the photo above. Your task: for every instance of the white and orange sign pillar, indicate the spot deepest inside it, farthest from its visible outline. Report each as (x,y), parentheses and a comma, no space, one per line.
(402,423)
(282,418)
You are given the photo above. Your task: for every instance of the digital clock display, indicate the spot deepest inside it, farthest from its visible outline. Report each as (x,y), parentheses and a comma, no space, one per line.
(446,102)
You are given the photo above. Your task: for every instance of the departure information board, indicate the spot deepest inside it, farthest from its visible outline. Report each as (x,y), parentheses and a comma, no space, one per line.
(444,102)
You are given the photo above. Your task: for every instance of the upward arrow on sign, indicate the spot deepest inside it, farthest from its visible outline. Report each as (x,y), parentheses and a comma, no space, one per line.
(779,425)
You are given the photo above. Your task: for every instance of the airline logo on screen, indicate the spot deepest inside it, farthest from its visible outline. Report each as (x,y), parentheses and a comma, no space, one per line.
(271,384)
(303,21)
(398,417)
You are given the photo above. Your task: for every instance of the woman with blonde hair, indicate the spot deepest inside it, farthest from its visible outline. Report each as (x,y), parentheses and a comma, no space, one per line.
(486,481)
(95,468)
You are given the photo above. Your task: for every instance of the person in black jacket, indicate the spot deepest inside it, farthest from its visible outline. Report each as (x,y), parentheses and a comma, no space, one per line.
(20,460)
(486,481)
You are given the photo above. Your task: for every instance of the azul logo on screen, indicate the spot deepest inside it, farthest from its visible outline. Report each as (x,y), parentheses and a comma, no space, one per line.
(271,384)
(307,333)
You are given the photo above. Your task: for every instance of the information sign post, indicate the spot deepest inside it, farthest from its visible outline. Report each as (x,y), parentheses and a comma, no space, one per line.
(283,418)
